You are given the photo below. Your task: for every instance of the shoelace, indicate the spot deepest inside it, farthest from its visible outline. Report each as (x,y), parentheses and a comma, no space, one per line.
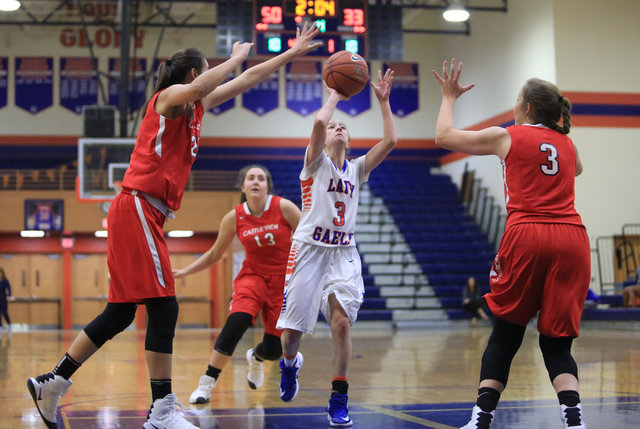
(176,415)
(338,408)
(572,415)
(290,375)
(484,420)
(45,377)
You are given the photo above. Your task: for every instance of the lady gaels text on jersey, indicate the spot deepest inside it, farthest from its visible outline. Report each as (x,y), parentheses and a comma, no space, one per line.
(330,201)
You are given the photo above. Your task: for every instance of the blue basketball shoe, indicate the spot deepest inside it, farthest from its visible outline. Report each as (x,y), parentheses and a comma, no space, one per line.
(289,379)
(339,411)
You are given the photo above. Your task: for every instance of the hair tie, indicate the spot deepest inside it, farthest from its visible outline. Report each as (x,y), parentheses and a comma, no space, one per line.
(168,63)
(560,98)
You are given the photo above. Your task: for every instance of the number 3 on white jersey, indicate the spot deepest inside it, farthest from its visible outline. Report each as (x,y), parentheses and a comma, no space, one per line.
(551,168)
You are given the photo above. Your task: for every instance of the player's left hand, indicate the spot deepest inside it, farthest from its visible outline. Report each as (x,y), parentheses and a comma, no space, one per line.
(449,84)
(383,87)
(305,37)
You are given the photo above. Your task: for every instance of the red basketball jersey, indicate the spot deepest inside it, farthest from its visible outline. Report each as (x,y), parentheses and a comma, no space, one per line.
(539,176)
(164,152)
(266,239)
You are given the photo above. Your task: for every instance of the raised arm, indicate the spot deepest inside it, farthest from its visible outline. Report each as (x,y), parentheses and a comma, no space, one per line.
(319,131)
(253,76)
(492,140)
(204,83)
(225,234)
(377,153)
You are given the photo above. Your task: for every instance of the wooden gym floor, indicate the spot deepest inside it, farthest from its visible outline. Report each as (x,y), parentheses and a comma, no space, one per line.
(408,378)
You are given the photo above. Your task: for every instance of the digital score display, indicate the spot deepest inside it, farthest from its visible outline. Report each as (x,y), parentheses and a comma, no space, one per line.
(343,25)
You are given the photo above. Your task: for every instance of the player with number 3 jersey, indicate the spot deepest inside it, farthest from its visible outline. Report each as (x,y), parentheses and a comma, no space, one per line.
(542,266)
(324,269)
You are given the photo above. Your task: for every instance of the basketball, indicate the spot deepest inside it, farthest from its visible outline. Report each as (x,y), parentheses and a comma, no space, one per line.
(346,72)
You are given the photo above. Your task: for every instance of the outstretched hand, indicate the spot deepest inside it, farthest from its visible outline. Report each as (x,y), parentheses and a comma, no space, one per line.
(241,50)
(178,274)
(303,38)
(383,87)
(449,84)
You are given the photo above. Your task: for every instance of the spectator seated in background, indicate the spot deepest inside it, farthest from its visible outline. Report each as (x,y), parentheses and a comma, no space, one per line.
(631,292)
(472,301)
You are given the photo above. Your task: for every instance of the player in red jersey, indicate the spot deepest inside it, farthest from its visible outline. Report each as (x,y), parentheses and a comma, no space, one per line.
(264,224)
(543,261)
(152,188)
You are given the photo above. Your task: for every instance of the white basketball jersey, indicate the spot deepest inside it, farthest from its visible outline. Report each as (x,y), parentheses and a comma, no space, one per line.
(330,201)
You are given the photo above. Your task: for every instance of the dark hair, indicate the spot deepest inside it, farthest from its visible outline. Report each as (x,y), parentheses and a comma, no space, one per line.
(3,274)
(475,284)
(242,174)
(175,69)
(548,105)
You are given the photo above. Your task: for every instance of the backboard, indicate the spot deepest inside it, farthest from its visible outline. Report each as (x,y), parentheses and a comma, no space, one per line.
(102,163)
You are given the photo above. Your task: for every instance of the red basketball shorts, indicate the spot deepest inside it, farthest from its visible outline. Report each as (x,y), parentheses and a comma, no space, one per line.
(254,292)
(543,268)
(137,253)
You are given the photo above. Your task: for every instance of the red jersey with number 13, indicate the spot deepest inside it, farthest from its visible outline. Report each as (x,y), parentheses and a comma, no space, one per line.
(539,176)
(164,153)
(266,239)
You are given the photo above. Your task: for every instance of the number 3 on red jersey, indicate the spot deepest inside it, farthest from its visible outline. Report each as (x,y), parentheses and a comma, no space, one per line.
(551,168)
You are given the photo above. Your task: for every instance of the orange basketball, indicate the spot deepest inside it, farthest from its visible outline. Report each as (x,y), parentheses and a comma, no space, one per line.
(346,72)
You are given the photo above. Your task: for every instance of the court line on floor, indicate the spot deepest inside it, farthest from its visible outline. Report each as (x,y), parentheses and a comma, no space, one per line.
(407,417)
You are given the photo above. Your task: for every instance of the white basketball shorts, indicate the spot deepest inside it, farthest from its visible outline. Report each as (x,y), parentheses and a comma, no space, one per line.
(314,273)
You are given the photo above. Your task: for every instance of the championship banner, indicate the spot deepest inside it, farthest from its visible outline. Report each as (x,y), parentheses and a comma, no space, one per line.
(137,83)
(304,86)
(34,83)
(231,103)
(78,83)
(263,97)
(361,102)
(4,80)
(405,91)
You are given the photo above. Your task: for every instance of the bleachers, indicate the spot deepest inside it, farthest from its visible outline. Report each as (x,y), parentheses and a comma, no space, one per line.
(445,242)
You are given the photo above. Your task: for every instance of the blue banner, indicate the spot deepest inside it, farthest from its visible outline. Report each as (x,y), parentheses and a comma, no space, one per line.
(34,83)
(137,83)
(229,104)
(4,80)
(405,91)
(361,102)
(304,86)
(78,83)
(263,97)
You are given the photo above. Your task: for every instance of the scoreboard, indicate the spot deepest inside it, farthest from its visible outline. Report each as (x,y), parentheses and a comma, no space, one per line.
(343,25)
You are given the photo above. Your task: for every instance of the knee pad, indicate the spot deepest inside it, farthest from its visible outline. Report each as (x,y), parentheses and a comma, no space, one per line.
(270,348)
(503,345)
(557,356)
(233,330)
(161,324)
(115,318)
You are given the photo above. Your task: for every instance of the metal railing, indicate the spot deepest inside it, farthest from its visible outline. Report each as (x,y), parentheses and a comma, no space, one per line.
(481,206)
(65,180)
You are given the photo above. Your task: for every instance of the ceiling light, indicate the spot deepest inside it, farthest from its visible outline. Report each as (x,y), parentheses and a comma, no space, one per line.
(456,12)
(100,234)
(9,5)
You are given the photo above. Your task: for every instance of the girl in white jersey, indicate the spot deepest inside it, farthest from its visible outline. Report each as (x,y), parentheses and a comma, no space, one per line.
(324,271)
